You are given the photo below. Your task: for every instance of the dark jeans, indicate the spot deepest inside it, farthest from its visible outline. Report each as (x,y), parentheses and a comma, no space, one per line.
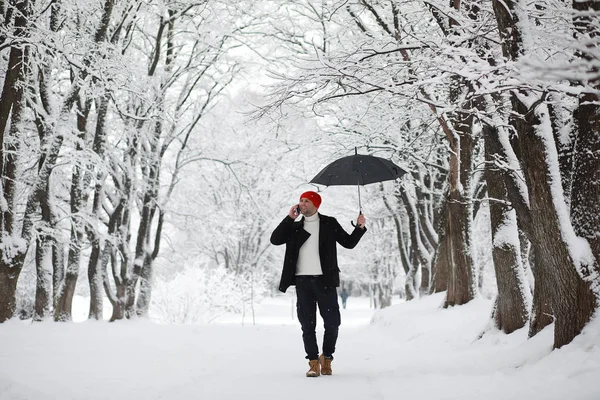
(310,291)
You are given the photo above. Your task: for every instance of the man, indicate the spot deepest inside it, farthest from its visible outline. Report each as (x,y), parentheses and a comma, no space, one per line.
(311,265)
(344,295)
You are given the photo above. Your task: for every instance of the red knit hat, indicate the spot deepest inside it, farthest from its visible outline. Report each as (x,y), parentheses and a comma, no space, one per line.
(312,196)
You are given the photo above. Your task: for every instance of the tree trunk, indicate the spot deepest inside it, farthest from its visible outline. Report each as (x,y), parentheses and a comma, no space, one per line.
(511,310)
(586,174)
(96,282)
(441,263)
(8,289)
(45,246)
(584,203)
(586,163)
(12,104)
(565,144)
(17,62)
(571,296)
(120,305)
(145,296)
(64,304)
(461,277)
(542,310)
(425,281)
(43,288)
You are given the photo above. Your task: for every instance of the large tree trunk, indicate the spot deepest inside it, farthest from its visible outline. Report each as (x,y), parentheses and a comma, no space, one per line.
(585,195)
(461,277)
(586,163)
(511,309)
(12,104)
(586,174)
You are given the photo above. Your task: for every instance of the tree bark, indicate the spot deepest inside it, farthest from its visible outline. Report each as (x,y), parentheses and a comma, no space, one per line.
(12,104)
(586,174)
(461,277)
(441,262)
(43,287)
(585,197)
(8,287)
(586,163)
(511,310)
(585,191)
(96,281)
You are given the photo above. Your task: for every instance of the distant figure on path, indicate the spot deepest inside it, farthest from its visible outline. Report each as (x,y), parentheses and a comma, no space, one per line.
(311,265)
(344,295)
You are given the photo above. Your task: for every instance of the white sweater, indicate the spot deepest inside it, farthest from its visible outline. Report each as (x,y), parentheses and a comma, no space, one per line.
(309,262)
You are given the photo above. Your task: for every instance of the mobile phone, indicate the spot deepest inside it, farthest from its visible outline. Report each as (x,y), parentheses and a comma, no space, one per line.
(297,210)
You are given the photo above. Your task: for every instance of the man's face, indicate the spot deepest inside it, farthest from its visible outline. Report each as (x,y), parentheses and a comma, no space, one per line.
(307,207)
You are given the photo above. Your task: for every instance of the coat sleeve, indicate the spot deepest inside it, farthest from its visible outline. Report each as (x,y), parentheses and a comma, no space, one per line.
(346,240)
(282,233)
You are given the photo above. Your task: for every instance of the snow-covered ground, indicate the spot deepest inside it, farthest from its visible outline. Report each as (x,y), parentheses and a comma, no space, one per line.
(409,351)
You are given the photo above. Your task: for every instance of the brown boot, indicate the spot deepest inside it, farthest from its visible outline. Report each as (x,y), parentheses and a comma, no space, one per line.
(325,364)
(315,369)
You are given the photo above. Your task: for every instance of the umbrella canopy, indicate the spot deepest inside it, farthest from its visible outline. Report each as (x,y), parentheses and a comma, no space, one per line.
(358,169)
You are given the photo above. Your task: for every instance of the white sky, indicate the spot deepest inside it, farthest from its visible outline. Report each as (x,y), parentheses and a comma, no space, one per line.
(409,351)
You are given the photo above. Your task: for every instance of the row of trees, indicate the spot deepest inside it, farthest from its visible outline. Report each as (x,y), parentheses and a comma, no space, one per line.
(512,88)
(101,106)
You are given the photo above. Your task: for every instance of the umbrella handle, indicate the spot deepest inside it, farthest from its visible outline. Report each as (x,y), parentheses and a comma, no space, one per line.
(352,222)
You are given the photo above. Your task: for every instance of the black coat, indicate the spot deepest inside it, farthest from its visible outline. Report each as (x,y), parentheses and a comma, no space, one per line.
(293,235)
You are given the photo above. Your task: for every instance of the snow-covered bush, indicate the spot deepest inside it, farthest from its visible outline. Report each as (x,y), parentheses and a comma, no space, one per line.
(200,294)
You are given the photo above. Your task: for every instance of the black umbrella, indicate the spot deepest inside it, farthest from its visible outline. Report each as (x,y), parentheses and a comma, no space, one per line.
(358,170)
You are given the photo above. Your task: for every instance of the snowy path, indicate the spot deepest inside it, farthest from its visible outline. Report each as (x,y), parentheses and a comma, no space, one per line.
(413,351)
